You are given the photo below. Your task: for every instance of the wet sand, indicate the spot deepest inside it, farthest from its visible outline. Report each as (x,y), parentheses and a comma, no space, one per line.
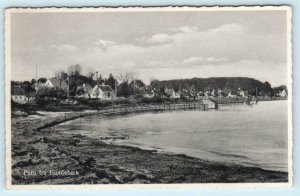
(43,155)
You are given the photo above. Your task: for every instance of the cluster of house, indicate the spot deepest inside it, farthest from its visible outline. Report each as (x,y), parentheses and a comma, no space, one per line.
(85,91)
(171,93)
(19,95)
(105,92)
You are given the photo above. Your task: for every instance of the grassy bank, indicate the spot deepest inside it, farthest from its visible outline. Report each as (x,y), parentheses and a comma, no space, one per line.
(38,146)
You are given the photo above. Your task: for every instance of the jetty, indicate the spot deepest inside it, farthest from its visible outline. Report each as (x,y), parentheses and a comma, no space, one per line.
(120,109)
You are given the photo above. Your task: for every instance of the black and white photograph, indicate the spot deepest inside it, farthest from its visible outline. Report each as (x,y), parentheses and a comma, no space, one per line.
(151,96)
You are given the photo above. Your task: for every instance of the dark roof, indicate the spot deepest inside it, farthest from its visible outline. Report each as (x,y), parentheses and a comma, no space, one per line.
(17,91)
(106,88)
(86,88)
(169,91)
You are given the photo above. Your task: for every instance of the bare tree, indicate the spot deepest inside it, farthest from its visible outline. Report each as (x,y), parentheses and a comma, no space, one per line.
(74,70)
(127,77)
(90,73)
(61,76)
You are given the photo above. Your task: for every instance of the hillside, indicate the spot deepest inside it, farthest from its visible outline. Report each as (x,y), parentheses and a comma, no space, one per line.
(223,83)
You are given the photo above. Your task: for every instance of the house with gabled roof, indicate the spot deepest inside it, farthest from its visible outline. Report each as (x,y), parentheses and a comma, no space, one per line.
(102,92)
(83,91)
(18,95)
(53,82)
(283,93)
(171,93)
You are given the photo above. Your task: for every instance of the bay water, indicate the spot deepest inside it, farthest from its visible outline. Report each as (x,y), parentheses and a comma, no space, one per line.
(254,136)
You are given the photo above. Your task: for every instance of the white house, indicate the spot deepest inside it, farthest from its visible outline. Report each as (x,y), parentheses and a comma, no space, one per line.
(242,93)
(283,93)
(171,93)
(53,82)
(102,92)
(148,94)
(83,91)
(18,95)
(231,95)
(220,93)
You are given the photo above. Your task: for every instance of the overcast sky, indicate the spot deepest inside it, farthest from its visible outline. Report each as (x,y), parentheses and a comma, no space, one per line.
(155,45)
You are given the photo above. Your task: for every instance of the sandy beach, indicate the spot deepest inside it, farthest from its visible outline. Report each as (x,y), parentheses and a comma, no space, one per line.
(42,155)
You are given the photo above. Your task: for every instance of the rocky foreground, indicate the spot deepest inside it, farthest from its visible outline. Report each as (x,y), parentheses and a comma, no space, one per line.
(43,155)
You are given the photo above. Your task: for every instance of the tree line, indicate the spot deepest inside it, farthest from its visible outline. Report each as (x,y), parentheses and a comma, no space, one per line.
(226,84)
(128,84)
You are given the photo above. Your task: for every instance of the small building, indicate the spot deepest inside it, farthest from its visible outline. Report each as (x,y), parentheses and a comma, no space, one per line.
(214,93)
(171,93)
(83,91)
(231,95)
(241,93)
(283,93)
(200,94)
(185,94)
(31,96)
(102,92)
(39,85)
(18,95)
(146,93)
(53,82)
(207,94)
(220,93)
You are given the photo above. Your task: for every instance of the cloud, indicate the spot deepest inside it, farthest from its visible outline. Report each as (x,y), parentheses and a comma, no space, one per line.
(184,50)
(156,39)
(229,28)
(202,60)
(64,47)
(186,29)
(104,44)
(193,60)
(162,38)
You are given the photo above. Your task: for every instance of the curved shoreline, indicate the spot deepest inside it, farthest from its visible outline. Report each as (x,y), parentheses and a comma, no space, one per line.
(37,146)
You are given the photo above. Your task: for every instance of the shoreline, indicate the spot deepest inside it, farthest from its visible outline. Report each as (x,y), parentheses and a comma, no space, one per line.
(36,147)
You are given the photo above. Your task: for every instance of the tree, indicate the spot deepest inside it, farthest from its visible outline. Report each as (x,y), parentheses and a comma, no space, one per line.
(127,77)
(100,80)
(193,91)
(266,89)
(61,75)
(32,82)
(90,73)
(123,90)
(279,89)
(126,80)
(54,92)
(139,83)
(136,86)
(41,80)
(26,85)
(74,70)
(111,81)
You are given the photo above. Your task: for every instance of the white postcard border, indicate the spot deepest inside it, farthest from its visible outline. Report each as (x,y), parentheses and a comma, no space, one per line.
(8,11)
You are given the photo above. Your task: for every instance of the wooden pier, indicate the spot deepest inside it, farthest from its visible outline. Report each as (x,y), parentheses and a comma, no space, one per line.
(219,102)
(120,109)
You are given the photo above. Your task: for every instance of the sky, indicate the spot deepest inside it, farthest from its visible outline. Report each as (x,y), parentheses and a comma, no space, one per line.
(154,45)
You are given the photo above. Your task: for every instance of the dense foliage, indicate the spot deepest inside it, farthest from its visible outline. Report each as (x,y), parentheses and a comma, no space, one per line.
(208,84)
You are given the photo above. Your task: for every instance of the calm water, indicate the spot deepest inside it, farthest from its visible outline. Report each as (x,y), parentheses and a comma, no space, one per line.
(254,136)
